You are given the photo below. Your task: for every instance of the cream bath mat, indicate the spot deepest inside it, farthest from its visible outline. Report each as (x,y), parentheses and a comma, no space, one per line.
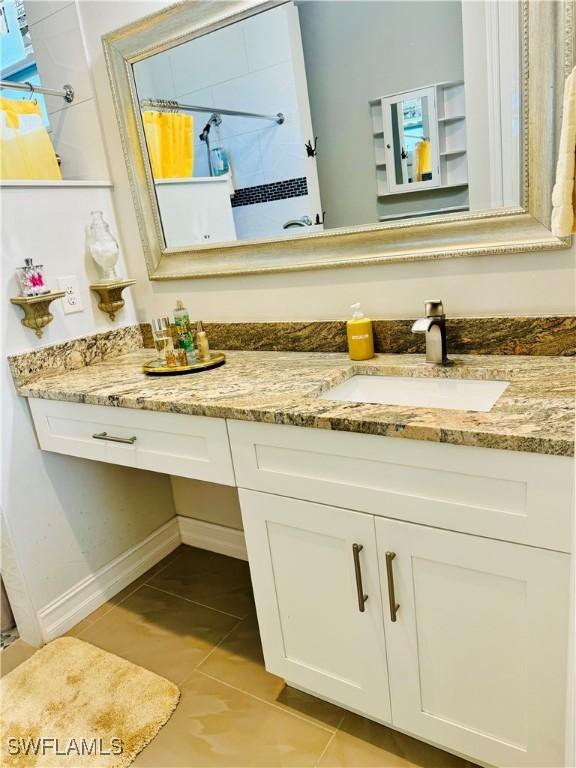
(73,705)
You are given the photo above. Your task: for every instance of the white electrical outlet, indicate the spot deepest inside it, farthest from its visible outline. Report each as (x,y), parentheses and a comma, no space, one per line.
(72,301)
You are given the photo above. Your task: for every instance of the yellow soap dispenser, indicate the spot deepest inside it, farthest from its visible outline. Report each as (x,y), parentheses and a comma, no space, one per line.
(360,337)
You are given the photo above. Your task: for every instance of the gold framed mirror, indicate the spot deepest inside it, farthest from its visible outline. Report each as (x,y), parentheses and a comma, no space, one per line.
(426,136)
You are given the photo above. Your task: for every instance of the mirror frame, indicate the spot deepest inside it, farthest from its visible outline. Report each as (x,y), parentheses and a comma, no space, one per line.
(547,57)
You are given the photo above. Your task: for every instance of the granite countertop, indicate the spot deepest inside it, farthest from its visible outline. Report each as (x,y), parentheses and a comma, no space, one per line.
(535,413)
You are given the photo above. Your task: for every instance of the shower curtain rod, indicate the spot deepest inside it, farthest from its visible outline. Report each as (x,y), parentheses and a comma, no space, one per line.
(175,106)
(67,91)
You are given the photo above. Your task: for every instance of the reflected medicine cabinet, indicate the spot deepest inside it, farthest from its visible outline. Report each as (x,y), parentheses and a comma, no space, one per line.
(401,122)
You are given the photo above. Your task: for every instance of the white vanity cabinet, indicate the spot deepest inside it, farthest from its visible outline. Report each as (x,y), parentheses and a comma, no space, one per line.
(476,651)
(471,654)
(189,446)
(319,632)
(472,545)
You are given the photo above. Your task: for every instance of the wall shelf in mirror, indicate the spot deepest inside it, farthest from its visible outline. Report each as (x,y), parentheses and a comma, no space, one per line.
(433,212)
(540,33)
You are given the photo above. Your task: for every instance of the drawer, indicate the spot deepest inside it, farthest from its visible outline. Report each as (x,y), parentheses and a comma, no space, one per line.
(176,444)
(520,497)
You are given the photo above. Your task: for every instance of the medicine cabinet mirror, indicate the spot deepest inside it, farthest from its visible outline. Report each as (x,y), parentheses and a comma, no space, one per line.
(411,139)
(265,135)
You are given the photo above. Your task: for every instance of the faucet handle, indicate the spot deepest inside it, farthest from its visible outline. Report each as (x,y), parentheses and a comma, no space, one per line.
(434,308)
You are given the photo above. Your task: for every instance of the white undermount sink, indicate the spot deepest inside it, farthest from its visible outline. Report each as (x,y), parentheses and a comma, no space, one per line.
(454,394)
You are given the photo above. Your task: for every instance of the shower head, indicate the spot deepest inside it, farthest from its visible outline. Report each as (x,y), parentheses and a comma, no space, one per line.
(205,131)
(215,119)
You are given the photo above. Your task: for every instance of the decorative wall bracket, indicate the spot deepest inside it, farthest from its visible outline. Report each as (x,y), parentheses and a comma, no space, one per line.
(36,312)
(110,295)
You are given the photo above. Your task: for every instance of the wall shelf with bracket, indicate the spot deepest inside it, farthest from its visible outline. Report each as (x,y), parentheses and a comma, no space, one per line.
(110,296)
(36,310)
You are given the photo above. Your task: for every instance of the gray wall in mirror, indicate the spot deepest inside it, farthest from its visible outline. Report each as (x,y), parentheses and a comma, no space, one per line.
(384,90)
(355,51)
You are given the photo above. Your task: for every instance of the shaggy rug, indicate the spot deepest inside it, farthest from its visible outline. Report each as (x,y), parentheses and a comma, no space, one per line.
(73,705)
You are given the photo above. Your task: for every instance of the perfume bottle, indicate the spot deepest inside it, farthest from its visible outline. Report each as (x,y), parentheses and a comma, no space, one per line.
(163,341)
(185,338)
(31,279)
(103,247)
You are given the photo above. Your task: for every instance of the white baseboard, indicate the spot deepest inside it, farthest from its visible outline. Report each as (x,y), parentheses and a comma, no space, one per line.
(215,538)
(76,603)
(80,600)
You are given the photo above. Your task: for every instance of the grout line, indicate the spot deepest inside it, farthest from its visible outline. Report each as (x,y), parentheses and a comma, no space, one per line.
(52,13)
(281,708)
(330,740)
(194,602)
(163,568)
(226,636)
(66,107)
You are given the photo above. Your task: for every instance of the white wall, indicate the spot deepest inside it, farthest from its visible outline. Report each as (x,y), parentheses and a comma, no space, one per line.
(63,518)
(533,283)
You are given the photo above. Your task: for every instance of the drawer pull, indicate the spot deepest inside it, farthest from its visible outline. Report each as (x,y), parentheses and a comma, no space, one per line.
(356,549)
(394,606)
(114,439)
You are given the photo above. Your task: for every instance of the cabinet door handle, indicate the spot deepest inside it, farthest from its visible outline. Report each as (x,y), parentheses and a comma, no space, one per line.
(394,606)
(356,549)
(114,439)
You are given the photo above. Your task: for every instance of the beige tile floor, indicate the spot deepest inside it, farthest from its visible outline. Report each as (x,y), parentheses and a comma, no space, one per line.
(191,618)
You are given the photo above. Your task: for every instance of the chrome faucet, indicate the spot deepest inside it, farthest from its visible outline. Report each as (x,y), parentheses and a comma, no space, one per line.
(434,327)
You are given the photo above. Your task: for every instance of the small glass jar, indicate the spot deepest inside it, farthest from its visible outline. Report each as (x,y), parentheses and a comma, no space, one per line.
(162,335)
(31,279)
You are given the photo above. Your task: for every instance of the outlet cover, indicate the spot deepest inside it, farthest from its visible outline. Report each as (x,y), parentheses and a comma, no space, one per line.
(72,301)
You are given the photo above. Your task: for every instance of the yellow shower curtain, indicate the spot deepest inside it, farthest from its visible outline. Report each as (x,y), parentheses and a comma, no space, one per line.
(169,136)
(26,151)
(423,155)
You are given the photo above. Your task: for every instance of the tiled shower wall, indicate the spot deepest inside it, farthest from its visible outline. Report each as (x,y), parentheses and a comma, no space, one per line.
(245,66)
(61,58)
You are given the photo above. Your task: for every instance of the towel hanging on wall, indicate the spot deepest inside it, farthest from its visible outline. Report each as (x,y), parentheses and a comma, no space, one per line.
(564,192)
(169,137)
(26,151)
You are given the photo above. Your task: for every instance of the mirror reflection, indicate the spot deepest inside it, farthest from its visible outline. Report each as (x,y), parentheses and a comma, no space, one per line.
(411,144)
(319,114)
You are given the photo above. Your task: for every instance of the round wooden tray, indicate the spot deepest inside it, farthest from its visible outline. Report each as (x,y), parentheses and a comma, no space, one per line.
(154,368)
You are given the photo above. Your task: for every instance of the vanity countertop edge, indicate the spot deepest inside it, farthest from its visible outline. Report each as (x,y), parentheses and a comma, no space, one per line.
(534,415)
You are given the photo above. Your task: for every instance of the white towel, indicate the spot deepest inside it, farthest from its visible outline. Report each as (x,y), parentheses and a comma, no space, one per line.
(564,192)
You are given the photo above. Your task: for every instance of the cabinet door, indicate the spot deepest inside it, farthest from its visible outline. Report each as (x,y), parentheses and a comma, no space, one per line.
(477,653)
(409,120)
(304,575)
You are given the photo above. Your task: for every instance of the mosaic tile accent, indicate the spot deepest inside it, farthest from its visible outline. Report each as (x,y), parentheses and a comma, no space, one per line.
(265,193)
